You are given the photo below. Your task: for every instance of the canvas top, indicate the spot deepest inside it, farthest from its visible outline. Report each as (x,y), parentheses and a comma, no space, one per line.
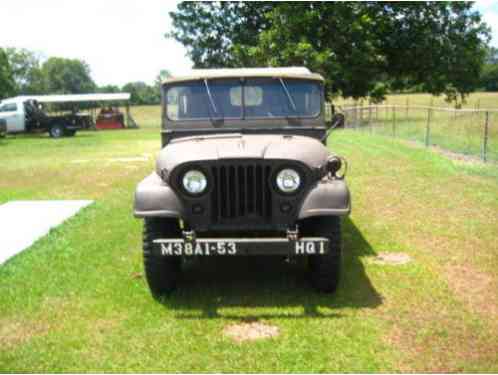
(284,72)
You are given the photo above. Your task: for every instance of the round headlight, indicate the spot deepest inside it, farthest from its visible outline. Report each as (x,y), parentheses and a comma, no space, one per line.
(194,182)
(288,180)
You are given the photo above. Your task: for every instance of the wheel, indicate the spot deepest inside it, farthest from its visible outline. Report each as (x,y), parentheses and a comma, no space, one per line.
(161,272)
(69,133)
(56,131)
(325,269)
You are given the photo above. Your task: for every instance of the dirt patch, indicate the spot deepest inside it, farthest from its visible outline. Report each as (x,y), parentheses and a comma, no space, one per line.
(462,158)
(392,258)
(477,289)
(131,159)
(250,331)
(14,332)
(455,156)
(438,342)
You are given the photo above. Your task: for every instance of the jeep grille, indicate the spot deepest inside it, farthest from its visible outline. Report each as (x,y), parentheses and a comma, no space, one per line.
(241,192)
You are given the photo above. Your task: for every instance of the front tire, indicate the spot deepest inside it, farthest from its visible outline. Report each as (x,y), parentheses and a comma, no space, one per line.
(56,131)
(161,272)
(325,270)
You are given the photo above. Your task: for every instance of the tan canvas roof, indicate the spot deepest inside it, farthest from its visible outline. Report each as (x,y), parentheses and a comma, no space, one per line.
(288,72)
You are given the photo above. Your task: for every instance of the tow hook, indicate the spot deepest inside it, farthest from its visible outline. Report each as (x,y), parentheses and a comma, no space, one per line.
(189,236)
(293,234)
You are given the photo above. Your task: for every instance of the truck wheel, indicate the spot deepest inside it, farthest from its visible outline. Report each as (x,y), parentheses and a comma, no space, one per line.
(325,269)
(69,133)
(161,272)
(56,131)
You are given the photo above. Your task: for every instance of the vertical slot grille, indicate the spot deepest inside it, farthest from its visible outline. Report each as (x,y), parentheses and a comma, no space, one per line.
(241,192)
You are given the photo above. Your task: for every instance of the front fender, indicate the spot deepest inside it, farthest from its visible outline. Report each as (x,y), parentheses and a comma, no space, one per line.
(327,198)
(154,198)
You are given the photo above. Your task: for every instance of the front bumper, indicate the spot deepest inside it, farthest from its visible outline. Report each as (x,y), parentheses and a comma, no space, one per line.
(240,246)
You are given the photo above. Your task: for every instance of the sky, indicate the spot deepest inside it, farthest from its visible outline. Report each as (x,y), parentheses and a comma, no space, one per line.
(122,40)
(489,12)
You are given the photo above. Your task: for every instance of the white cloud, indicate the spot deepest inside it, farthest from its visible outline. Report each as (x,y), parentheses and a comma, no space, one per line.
(122,41)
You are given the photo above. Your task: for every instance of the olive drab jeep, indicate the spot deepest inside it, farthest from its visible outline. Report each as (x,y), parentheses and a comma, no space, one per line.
(243,170)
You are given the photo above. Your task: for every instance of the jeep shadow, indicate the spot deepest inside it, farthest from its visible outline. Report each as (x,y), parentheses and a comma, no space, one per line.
(211,285)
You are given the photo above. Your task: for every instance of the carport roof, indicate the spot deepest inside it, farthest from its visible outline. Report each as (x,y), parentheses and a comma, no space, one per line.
(72,98)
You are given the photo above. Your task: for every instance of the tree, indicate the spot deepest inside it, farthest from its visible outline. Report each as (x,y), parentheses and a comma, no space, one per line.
(141,93)
(67,76)
(26,71)
(109,89)
(489,74)
(358,47)
(163,74)
(7,85)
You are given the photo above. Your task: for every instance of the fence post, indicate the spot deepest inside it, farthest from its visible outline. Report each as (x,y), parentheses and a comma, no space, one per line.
(428,128)
(353,117)
(394,121)
(370,117)
(361,113)
(485,138)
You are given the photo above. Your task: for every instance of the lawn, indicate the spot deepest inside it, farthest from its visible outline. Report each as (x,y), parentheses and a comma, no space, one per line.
(77,300)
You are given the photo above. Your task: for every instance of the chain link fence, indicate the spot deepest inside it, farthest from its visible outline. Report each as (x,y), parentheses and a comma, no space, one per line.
(465,131)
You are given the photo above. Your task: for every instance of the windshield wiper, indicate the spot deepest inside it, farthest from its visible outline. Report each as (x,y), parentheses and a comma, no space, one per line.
(289,97)
(214,121)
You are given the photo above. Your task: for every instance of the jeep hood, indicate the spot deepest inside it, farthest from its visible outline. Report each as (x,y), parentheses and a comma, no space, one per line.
(240,146)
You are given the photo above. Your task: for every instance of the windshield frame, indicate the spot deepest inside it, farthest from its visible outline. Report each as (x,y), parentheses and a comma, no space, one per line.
(242,117)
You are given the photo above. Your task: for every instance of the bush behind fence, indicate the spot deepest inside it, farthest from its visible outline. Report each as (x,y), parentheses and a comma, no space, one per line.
(465,131)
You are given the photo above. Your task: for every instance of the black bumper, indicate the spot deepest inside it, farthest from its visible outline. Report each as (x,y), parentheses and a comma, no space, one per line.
(241,246)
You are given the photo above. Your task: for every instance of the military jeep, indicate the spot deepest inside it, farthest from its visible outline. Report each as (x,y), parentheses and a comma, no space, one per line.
(243,170)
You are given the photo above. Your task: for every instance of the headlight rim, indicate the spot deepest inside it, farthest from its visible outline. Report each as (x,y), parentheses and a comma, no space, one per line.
(301,180)
(193,169)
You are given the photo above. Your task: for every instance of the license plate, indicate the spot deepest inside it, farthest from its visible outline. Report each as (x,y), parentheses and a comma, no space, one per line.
(309,247)
(242,246)
(199,248)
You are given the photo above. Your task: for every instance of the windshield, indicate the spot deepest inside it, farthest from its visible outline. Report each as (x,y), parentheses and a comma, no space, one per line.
(249,99)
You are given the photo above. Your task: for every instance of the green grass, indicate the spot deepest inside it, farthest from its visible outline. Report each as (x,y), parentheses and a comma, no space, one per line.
(77,300)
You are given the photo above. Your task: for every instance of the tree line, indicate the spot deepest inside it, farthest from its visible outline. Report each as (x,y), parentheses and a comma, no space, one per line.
(23,73)
(363,49)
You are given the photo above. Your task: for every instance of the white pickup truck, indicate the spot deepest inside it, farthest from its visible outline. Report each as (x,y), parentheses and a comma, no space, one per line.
(3,128)
(23,114)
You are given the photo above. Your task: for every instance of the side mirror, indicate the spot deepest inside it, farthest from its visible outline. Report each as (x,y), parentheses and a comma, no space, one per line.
(337,121)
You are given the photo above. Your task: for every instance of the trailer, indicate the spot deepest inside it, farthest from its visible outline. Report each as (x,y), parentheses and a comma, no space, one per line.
(36,114)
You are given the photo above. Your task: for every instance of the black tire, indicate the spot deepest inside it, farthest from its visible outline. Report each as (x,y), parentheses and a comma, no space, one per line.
(325,270)
(161,272)
(56,131)
(69,133)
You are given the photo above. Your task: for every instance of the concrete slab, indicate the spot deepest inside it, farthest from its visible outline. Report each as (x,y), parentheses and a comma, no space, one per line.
(23,222)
